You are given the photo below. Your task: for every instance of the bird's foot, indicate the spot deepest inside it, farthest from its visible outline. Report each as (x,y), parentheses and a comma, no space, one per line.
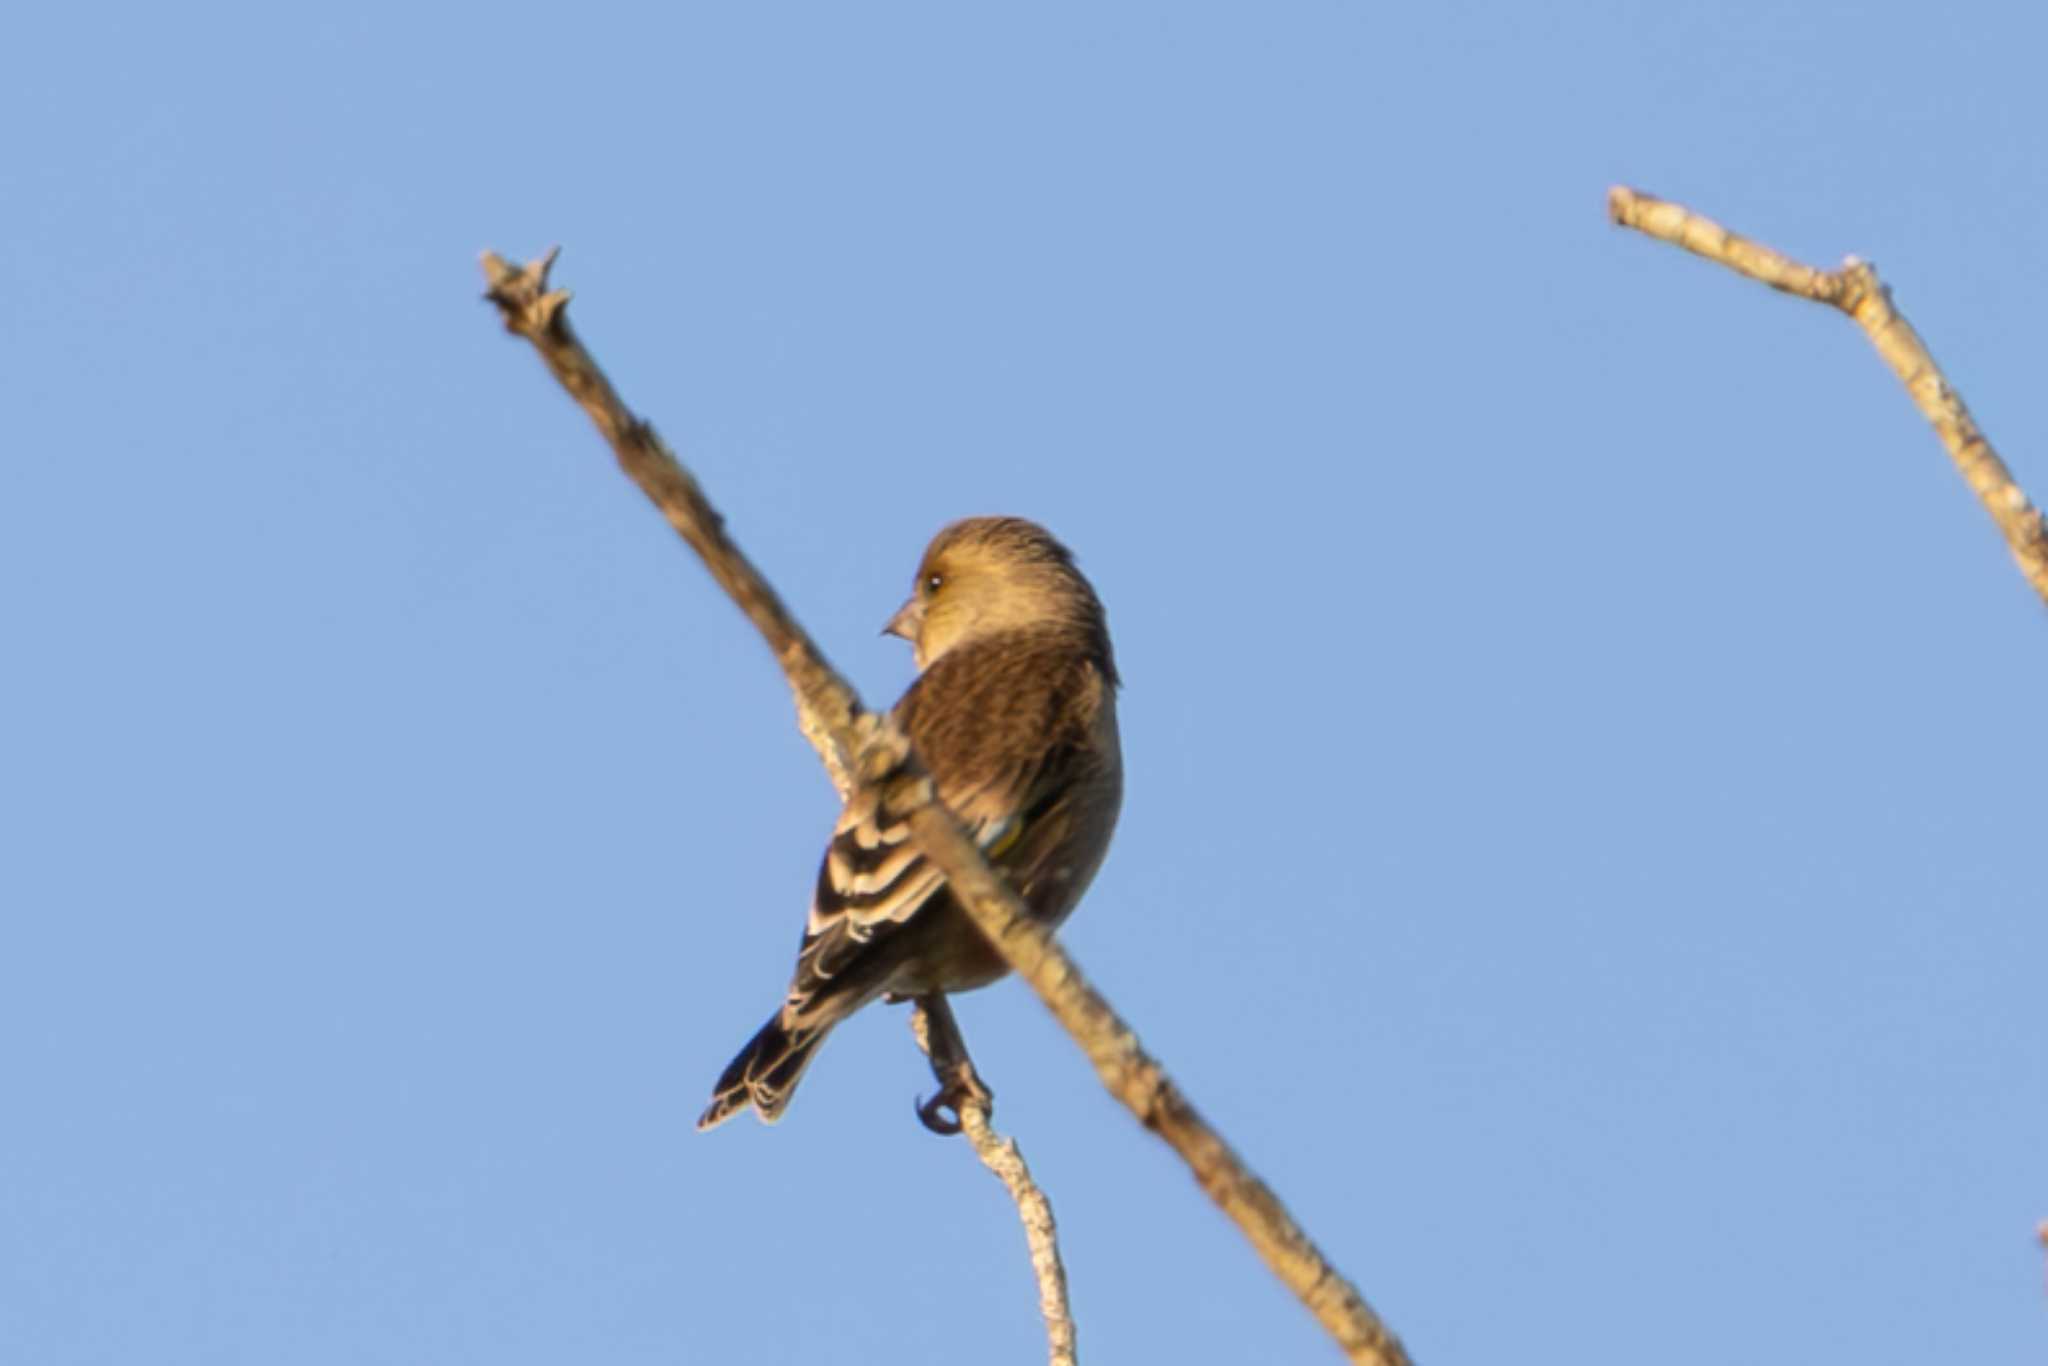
(941,1114)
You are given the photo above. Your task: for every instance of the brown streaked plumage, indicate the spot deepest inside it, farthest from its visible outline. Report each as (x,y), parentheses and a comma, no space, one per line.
(1014,715)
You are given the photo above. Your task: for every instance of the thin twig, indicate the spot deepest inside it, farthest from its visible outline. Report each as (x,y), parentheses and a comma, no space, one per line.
(849,738)
(931,1020)
(825,706)
(1856,290)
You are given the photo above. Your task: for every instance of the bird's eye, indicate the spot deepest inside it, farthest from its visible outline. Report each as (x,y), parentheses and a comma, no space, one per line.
(933,581)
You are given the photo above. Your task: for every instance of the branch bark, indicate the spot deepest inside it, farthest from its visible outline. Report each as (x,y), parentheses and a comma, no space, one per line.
(1856,291)
(858,745)
(960,1086)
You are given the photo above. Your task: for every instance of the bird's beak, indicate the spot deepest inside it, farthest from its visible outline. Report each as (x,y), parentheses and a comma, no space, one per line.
(905,623)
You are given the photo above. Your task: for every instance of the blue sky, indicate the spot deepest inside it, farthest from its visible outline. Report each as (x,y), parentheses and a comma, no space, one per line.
(1583,836)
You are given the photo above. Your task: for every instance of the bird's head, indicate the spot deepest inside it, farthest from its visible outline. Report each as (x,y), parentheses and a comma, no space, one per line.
(989,574)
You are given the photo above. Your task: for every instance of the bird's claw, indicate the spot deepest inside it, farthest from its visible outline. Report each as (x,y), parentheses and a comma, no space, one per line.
(941,1114)
(932,1114)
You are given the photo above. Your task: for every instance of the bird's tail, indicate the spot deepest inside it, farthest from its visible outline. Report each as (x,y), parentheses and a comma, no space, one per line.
(764,1075)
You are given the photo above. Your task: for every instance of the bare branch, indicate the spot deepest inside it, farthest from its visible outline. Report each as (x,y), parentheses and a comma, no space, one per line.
(1136,1079)
(960,1087)
(851,739)
(1856,290)
(825,705)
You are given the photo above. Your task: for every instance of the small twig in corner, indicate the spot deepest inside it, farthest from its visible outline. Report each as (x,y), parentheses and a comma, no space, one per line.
(1856,290)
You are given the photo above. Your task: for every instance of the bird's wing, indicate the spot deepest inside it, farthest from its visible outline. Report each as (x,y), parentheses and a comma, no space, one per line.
(874,878)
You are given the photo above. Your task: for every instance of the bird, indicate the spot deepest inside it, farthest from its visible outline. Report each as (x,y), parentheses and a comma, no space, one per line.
(1013,712)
